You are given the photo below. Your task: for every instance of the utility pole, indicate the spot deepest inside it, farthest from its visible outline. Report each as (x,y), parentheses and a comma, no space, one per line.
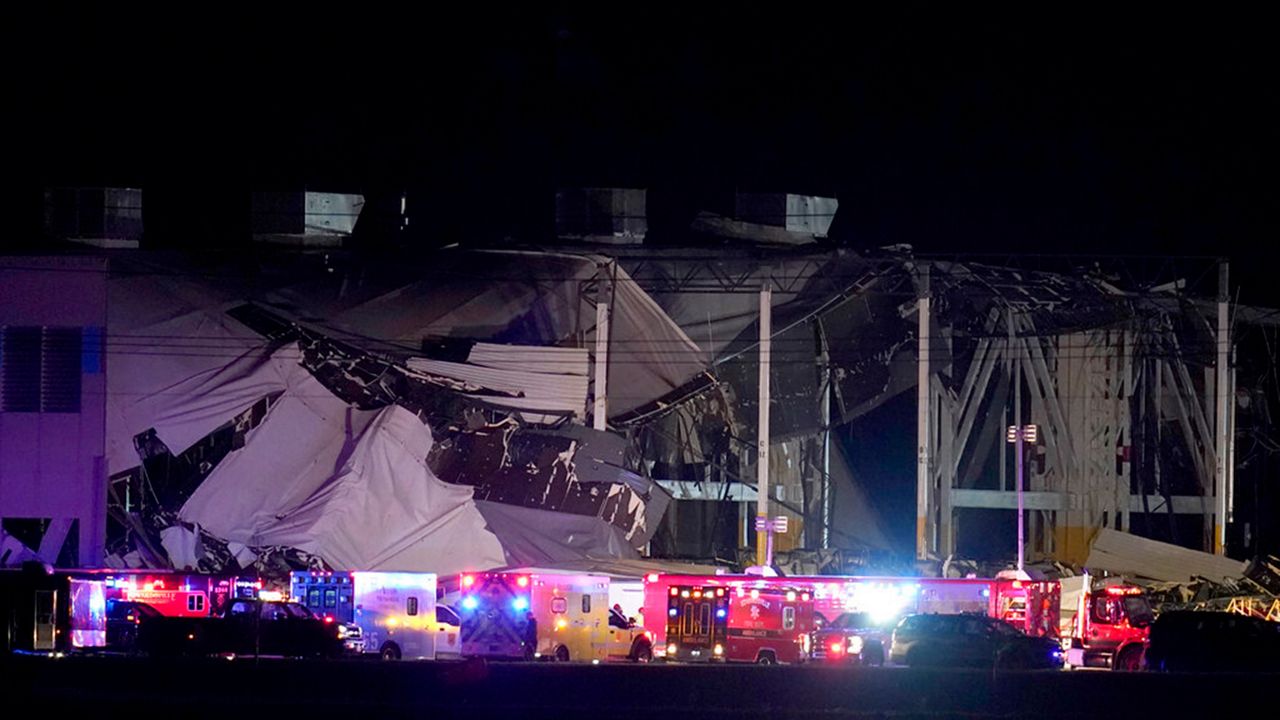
(923,413)
(764,536)
(1222,412)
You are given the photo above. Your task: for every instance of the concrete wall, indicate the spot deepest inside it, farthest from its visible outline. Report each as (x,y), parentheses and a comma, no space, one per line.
(52,464)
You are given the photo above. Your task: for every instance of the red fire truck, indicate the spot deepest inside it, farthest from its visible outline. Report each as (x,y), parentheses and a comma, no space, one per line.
(1106,624)
(174,593)
(1030,606)
(709,620)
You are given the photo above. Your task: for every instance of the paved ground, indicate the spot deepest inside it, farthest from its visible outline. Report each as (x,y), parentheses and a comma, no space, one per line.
(302,690)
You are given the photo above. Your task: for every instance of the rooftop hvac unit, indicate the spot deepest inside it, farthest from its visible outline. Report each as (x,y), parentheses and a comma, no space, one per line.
(611,215)
(310,219)
(100,216)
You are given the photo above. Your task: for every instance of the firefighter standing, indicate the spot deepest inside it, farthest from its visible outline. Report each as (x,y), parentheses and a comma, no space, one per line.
(530,641)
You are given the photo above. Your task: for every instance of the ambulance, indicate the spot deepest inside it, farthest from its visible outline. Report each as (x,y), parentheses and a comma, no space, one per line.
(546,616)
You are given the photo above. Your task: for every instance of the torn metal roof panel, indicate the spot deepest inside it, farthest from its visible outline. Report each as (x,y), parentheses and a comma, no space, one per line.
(528,389)
(1121,552)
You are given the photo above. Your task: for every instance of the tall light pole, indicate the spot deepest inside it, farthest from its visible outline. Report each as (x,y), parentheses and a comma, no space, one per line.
(1017,434)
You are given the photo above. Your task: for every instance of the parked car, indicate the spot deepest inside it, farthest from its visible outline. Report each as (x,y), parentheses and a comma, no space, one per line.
(970,641)
(852,637)
(123,619)
(1200,641)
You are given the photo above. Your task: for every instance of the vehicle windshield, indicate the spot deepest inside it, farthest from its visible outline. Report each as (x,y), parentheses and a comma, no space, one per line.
(1004,628)
(1138,610)
(446,615)
(851,621)
(299,611)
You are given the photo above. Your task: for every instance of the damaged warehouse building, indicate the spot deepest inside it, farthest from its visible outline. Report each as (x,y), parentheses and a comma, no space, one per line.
(596,398)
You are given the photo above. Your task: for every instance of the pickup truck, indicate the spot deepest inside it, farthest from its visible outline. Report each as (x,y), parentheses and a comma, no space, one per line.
(245,627)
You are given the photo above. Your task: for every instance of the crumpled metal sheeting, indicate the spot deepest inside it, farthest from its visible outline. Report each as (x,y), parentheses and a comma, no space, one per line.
(1259,584)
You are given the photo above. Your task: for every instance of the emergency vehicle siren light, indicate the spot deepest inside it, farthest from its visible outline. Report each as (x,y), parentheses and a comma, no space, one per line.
(673,612)
(520,603)
(470,603)
(675,591)
(468,580)
(522,581)
(652,577)
(719,613)
(1124,591)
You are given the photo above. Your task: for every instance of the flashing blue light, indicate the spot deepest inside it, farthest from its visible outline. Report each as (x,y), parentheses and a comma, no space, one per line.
(470,602)
(986,592)
(520,603)
(673,612)
(720,613)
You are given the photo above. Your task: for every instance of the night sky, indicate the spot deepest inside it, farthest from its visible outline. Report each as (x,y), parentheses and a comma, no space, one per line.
(1079,132)
(1082,134)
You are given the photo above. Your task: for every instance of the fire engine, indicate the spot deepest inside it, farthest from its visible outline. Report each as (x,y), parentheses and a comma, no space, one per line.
(1030,606)
(173,593)
(729,618)
(1105,624)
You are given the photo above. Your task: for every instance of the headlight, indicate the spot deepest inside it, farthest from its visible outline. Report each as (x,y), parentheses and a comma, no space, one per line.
(855,645)
(342,631)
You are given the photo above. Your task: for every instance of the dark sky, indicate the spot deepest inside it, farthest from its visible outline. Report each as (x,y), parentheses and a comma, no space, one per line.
(1081,134)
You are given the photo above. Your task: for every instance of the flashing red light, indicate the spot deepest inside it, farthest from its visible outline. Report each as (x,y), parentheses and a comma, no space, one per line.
(468,580)
(522,581)
(1124,591)
(1017,584)
(719,592)
(652,577)
(675,591)
(328,618)
(837,648)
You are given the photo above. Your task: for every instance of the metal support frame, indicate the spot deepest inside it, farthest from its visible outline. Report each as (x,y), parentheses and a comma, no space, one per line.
(1081,387)
(824,414)
(600,412)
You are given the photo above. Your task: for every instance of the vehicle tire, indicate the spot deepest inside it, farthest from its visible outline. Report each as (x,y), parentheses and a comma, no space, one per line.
(918,657)
(1007,659)
(873,655)
(642,652)
(1129,659)
(562,654)
(766,658)
(390,651)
